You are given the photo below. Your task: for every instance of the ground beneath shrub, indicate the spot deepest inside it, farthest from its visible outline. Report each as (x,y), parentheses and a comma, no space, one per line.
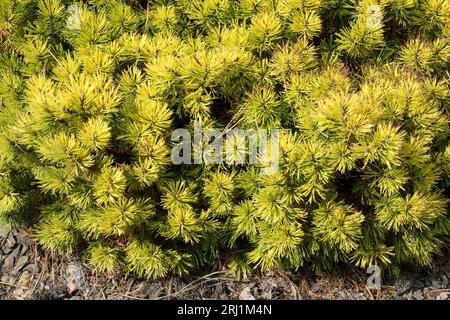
(29,272)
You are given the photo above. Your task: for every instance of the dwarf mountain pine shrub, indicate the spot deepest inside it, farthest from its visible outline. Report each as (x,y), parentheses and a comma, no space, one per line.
(90,92)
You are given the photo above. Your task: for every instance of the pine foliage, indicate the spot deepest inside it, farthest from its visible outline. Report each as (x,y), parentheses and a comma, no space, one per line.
(360,89)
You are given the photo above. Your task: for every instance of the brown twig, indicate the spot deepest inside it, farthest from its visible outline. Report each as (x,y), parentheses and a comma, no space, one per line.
(35,286)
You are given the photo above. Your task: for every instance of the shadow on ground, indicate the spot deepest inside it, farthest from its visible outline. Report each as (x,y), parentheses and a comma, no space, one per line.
(28,272)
